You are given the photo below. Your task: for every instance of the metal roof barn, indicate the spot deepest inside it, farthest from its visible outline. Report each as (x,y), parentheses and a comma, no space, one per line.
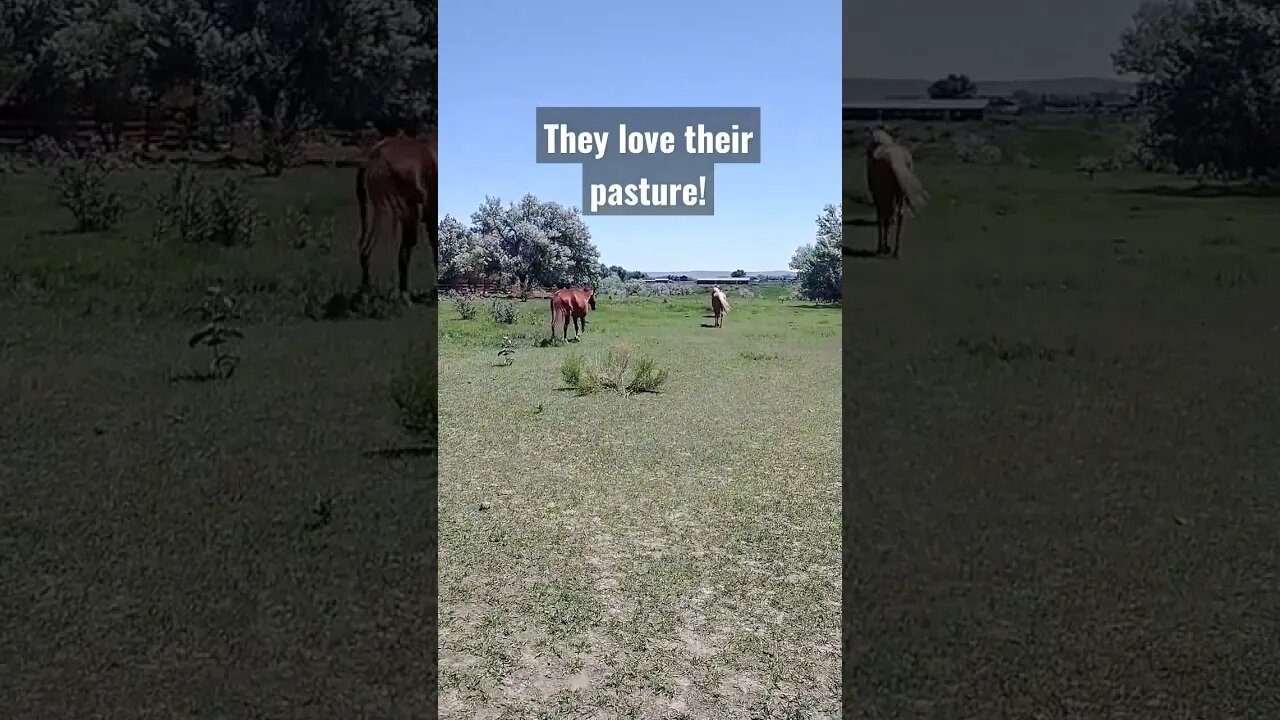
(916,109)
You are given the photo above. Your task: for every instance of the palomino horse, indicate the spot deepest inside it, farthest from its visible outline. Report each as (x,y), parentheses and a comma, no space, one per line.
(893,183)
(572,303)
(398,178)
(719,305)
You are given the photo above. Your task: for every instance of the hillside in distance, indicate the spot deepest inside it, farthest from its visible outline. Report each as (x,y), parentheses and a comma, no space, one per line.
(879,88)
(697,274)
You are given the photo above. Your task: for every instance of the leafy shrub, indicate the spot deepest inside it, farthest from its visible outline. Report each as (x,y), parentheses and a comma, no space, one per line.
(204,213)
(83,189)
(578,376)
(973,149)
(615,371)
(465,306)
(503,311)
(612,287)
(82,183)
(46,152)
(279,149)
(648,377)
(1091,166)
(300,228)
(414,391)
(507,349)
(216,311)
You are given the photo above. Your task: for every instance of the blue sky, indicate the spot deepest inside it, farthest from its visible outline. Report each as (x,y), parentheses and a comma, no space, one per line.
(501,59)
(984,39)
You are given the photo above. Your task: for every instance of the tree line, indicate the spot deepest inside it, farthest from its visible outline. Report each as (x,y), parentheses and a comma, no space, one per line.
(532,243)
(1208,87)
(287,66)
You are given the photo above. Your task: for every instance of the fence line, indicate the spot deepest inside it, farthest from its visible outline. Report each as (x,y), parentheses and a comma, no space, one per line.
(491,288)
(164,131)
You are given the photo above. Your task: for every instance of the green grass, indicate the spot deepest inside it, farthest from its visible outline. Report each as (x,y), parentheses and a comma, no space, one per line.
(597,550)
(1060,445)
(192,549)
(123,272)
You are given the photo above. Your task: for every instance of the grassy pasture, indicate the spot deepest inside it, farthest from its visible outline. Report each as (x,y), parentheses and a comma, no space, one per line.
(1061,420)
(193,549)
(662,555)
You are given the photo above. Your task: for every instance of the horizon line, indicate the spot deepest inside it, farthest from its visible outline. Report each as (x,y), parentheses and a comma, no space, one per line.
(1114,78)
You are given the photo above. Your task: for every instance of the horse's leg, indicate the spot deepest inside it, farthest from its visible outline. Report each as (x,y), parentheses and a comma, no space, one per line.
(408,239)
(368,241)
(897,237)
(565,331)
(363,245)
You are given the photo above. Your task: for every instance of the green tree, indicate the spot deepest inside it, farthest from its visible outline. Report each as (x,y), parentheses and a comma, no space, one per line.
(463,253)
(738,273)
(299,61)
(537,243)
(819,266)
(287,64)
(1209,71)
(953,86)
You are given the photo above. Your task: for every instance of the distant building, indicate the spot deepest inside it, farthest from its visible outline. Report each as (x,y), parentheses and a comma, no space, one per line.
(725,281)
(916,109)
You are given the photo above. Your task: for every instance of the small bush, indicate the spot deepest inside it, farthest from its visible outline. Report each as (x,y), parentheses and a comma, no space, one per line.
(578,376)
(465,306)
(300,228)
(1091,166)
(507,350)
(45,152)
(278,148)
(973,149)
(503,311)
(615,371)
(202,213)
(648,377)
(83,186)
(612,287)
(216,311)
(414,392)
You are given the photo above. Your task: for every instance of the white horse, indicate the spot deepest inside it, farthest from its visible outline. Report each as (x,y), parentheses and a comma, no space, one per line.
(719,305)
(894,187)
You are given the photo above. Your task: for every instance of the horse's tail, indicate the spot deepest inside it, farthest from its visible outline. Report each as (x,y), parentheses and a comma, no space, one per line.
(912,189)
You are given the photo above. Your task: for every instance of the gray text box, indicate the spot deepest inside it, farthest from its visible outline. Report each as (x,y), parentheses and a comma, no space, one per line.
(697,139)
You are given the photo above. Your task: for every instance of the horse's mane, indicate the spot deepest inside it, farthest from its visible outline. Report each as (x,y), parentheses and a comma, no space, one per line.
(880,137)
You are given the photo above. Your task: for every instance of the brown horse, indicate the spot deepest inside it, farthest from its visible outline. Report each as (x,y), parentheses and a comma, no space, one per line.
(719,305)
(572,303)
(398,178)
(893,184)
